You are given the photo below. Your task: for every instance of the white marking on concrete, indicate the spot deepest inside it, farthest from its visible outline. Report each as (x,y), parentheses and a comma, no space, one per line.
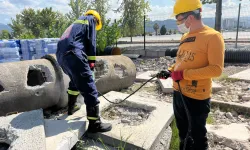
(24,131)
(243,75)
(144,135)
(146,76)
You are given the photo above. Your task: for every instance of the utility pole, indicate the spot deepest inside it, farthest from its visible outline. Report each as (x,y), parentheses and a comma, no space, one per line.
(218,15)
(238,27)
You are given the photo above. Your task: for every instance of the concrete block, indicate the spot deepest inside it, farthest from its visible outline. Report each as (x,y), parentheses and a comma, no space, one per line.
(132,56)
(24,131)
(143,130)
(167,85)
(238,139)
(246,97)
(243,75)
(63,134)
(146,76)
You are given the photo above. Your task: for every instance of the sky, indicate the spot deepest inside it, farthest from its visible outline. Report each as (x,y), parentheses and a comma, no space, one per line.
(160,9)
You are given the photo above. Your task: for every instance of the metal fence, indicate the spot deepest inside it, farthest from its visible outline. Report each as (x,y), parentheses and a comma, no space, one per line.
(235,28)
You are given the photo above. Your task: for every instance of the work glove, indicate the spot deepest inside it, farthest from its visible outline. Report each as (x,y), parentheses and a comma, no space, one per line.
(177,75)
(163,75)
(92,67)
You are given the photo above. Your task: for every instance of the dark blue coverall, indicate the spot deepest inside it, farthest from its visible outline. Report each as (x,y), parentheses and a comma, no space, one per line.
(75,50)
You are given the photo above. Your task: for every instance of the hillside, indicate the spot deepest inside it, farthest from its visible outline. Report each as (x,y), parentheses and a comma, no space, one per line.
(5,27)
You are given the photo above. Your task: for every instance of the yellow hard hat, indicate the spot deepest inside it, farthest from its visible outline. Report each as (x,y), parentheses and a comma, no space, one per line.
(182,6)
(97,16)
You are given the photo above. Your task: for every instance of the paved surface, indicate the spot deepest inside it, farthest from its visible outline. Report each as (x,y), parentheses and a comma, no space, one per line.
(136,136)
(24,131)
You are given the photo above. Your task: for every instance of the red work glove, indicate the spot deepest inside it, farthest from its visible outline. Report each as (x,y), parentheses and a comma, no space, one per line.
(91,65)
(177,75)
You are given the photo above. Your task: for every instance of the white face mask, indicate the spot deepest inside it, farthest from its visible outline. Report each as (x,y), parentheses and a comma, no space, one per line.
(182,28)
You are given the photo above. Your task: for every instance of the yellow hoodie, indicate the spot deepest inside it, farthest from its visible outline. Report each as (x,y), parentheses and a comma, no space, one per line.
(201,57)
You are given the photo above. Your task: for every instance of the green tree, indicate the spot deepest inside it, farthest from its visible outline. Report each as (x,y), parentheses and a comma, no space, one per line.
(101,6)
(163,30)
(133,12)
(17,26)
(170,31)
(38,24)
(156,28)
(5,34)
(108,35)
(78,7)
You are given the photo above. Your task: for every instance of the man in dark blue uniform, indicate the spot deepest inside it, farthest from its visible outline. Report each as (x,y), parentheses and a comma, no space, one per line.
(76,53)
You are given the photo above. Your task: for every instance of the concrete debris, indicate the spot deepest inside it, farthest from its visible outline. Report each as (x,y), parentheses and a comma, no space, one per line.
(23,130)
(223,135)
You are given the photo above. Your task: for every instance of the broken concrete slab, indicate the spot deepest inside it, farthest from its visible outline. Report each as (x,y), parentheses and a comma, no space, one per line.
(243,75)
(164,140)
(236,140)
(63,134)
(167,85)
(146,76)
(24,130)
(132,131)
(243,109)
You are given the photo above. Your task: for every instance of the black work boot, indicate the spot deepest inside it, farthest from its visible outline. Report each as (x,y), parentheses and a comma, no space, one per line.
(95,124)
(72,107)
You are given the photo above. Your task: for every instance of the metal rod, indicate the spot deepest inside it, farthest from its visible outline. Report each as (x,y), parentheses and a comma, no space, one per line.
(144,32)
(237,33)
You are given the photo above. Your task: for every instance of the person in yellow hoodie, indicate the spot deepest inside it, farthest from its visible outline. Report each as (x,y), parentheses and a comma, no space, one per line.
(200,58)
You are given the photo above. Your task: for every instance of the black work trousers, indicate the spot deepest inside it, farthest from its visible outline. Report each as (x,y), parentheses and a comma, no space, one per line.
(199,110)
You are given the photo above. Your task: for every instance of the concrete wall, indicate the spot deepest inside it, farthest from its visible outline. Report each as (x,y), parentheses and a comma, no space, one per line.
(34,84)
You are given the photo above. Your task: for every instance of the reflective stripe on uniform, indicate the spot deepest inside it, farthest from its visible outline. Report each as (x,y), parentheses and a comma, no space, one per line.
(92,118)
(91,57)
(82,22)
(73,92)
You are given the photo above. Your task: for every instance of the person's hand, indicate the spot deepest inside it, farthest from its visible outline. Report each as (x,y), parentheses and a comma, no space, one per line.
(163,75)
(177,75)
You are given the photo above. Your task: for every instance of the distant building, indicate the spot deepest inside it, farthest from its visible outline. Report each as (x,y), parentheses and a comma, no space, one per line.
(231,23)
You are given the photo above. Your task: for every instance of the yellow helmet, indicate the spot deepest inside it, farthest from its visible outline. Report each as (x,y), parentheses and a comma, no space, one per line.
(97,16)
(182,6)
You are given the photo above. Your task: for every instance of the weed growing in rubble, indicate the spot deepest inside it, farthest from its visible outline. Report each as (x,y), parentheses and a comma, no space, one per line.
(174,145)
(210,119)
